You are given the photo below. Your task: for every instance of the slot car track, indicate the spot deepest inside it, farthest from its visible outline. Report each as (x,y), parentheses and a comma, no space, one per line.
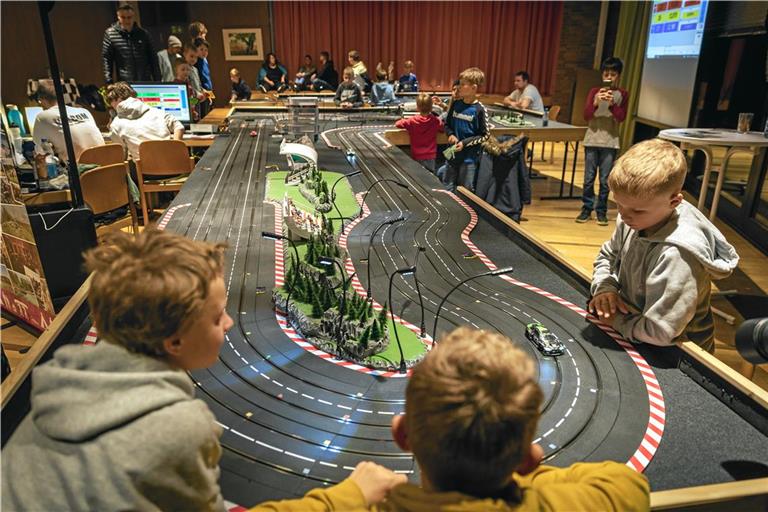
(293,421)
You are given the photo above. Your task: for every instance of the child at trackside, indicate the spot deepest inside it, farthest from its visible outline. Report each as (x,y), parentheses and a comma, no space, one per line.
(471,409)
(652,279)
(604,110)
(408,81)
(466,125)
(422,130)
(348,94)
(382,92)
(116,426)
(240,89)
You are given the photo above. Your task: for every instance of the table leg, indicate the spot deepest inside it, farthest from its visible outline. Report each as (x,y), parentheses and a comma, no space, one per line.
(721,178)
(705,178)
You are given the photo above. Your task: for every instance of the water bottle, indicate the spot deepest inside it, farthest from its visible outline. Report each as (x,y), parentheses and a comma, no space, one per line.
(545,119)
(51,162)
(14,118)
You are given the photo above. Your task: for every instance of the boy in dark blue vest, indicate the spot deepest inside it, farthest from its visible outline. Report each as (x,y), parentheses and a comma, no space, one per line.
(467,128)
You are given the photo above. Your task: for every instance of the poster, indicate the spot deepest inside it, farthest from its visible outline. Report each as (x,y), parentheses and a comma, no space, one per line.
(24,290)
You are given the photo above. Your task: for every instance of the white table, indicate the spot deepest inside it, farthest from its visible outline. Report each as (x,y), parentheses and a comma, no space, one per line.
(704,139)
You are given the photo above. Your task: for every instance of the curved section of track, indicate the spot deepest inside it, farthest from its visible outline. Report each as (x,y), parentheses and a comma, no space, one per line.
(293,420)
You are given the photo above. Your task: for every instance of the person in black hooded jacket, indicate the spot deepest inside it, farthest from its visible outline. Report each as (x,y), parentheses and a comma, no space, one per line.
(128,48)
(326,77)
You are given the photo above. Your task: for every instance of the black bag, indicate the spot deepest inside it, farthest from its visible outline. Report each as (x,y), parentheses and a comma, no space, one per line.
(62,236)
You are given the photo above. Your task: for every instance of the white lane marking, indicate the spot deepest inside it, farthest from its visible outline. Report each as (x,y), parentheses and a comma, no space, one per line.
(343,407)
(366,411)
(291,390)
(307,396)
(324,401)
(242,435)
(330,465)
(273,380)
(299,456)
(385,412)
(265,445)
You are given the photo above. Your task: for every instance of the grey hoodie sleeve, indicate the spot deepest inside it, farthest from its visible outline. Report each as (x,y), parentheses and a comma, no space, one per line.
(603,277)
(672,292)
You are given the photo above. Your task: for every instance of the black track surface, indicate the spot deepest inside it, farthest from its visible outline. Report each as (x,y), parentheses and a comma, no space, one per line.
(294,421)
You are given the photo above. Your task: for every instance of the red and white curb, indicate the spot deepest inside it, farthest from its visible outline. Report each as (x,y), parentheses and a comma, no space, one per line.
(92,336)
(296,337)
(656,416)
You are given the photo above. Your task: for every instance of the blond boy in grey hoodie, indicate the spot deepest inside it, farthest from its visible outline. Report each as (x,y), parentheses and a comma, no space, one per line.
(652,279)
(116,426)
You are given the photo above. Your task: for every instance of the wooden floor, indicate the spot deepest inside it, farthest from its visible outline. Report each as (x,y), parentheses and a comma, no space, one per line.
(553,222)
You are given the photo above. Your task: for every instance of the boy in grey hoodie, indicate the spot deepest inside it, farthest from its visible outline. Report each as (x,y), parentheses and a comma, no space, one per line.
(652,279)
(116,426)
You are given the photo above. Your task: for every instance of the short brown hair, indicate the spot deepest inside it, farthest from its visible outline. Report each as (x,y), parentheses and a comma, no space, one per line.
(234,71)
(471,409)
(196,28)
(408,64)
(125,7)
(648,169)
(474,76)
(348,71)
(120,91)
(424,103)
(148,288)
(354,54)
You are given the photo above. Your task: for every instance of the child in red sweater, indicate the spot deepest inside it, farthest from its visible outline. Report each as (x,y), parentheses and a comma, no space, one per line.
(422,129)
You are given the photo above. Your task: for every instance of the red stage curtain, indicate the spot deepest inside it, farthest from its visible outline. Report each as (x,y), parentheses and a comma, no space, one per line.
(442,38)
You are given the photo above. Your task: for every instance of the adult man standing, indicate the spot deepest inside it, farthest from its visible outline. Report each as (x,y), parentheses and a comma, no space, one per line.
(168,57)
(526,95)
(128,48)
(82,127)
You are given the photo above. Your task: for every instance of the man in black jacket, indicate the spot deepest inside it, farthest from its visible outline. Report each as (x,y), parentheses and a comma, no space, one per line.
(128,47)
(326,77)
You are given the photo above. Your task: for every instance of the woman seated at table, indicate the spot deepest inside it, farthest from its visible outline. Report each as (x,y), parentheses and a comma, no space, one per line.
(272,75)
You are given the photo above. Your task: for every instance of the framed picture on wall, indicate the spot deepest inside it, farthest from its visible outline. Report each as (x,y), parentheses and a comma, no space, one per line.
(243,44)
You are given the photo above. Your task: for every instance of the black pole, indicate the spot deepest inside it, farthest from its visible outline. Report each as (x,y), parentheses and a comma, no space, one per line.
(499,271)
(419,250)
(74,177)
(333,195)
(409,270)
(365,197)
(368,252)
(275,236)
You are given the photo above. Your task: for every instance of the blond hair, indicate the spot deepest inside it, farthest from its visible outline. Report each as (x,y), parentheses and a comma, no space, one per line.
(648,169)
(424,103)
(234,71)
(473,76)
(408,64)
(148,288)
(348,71)
(471,411)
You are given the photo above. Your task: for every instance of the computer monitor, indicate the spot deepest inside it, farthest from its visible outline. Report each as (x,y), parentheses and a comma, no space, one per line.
(30,113)
(171,98)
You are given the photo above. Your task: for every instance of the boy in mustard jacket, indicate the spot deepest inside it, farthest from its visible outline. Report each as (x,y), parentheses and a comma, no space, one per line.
(471,411)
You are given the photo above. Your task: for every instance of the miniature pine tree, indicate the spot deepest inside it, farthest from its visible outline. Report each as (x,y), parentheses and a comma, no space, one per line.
(317,307)
(365,338)
(382,318)
(362,316)
(375,330)
(325,189)
(327,301)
